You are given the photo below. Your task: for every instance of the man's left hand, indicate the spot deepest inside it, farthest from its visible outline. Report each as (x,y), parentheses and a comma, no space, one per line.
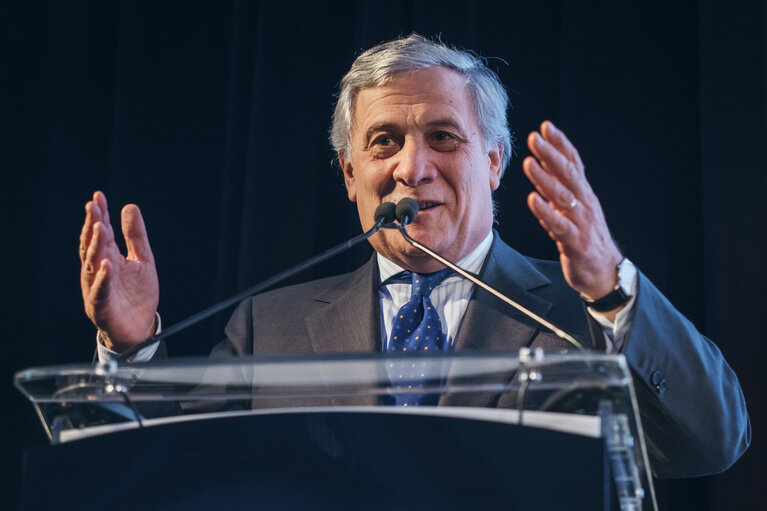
(567,208)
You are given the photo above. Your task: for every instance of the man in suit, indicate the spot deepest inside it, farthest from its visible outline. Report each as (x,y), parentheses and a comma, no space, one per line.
(420,120)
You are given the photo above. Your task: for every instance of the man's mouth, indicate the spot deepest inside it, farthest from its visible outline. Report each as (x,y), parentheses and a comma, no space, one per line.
(424,205)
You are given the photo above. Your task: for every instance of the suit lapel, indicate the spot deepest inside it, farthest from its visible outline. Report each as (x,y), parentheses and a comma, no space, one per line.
(351,321)
(490,324)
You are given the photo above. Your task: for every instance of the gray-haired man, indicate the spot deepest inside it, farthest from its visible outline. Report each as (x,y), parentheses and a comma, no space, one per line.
(418,119)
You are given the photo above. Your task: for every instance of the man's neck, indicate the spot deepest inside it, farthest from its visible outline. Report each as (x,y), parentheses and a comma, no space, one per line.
(471,262)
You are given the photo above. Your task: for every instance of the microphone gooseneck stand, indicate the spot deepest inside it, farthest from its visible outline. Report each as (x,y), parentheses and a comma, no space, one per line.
(406,211)
(384,216)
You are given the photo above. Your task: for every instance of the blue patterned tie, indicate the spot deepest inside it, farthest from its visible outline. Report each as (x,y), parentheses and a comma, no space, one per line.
(416,329)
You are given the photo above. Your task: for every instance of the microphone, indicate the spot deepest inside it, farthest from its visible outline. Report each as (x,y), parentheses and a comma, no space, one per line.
(386,211)
(407,210)
(384,217)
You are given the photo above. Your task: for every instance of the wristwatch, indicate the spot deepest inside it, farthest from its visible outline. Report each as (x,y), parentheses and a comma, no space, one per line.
(618,296)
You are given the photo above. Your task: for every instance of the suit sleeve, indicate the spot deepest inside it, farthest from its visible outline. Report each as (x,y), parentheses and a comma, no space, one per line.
(692,407)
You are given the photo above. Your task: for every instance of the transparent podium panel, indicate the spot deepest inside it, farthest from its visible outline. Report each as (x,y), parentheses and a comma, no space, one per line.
(585,394)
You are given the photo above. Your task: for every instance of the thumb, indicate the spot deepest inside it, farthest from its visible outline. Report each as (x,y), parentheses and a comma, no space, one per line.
(134,231)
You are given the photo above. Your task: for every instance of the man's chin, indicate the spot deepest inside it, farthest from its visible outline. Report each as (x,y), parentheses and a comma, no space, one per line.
(396,249)
(401,249)
(432,238)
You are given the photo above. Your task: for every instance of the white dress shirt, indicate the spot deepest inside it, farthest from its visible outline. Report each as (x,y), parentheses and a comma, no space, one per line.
(450,298)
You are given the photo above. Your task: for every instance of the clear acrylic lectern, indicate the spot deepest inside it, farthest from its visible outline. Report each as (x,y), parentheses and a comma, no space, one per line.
(573,396)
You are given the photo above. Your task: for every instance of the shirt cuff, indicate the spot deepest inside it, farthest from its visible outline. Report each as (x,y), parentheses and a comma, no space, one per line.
(144,354)
(615,332)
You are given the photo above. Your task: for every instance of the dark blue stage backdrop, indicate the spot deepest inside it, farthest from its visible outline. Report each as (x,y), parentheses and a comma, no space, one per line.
(212,116)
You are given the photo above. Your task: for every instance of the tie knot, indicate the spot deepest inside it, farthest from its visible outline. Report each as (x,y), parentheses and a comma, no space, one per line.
(424,284)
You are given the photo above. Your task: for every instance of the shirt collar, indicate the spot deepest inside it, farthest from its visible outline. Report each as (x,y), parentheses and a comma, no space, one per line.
(471,263)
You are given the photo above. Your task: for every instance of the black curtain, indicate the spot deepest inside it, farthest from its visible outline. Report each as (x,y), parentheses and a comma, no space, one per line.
(213,117)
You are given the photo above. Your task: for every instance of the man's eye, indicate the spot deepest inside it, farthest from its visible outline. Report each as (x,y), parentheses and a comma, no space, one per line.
(384,146)
(384,140)
(443,141)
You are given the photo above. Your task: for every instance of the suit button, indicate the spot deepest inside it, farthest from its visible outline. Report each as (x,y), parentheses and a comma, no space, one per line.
(661,386)
(655,378)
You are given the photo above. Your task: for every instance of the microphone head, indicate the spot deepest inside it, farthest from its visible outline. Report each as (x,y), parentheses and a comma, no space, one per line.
(407,209)
(385,213)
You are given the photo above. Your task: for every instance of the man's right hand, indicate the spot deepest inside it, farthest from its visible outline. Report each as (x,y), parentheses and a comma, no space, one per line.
(120,293)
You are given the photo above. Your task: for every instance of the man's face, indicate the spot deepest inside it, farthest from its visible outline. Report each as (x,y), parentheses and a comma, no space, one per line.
(418,137)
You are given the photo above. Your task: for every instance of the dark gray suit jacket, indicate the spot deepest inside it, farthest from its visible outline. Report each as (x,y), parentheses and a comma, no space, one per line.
(692,407)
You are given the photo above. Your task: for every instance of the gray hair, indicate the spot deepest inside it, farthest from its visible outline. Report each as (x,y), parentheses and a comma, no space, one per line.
(379,64)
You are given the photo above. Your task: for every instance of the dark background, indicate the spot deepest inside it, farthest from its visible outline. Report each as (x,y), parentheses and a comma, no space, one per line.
(212,116)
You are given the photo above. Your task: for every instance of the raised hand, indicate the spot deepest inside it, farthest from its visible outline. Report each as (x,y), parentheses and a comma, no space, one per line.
(120,293)
(567,208)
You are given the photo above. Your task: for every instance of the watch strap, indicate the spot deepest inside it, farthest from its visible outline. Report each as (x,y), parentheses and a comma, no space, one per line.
(619,296)
(616,298)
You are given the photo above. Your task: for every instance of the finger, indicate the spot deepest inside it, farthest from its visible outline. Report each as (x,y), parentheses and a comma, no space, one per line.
(556,163)
(87,231)
(100,289)
(551,189)
(559,140)
(94,255)
(134,231)
(559,227)
(101,201)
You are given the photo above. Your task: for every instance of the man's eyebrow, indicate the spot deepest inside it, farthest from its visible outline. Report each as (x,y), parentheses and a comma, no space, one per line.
(447,123)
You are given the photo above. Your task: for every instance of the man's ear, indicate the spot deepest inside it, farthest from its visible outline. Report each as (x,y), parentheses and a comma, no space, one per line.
(348,169)
(496,166)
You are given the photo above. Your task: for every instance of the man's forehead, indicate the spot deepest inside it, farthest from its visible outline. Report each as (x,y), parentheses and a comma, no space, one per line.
(429,96)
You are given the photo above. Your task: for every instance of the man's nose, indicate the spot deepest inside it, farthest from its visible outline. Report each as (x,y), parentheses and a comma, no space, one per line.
(414,166)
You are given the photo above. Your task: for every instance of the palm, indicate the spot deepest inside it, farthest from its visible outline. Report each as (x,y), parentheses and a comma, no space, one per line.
(129,304)
(120,293)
